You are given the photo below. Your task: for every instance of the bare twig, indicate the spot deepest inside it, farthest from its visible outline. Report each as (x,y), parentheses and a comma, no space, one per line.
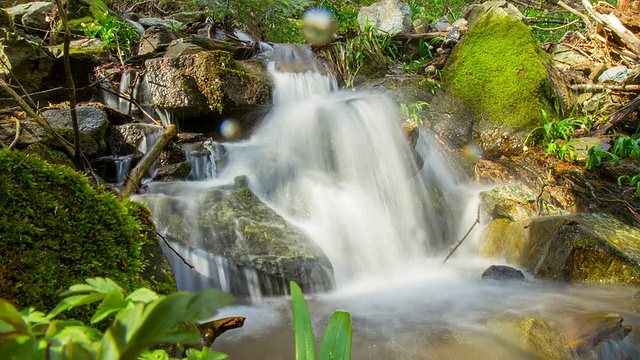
(464,237)
(175,251)
(77,158)
(577,13)
(15,139)
(600,87)
(619,115)
(554,28)
(10,110)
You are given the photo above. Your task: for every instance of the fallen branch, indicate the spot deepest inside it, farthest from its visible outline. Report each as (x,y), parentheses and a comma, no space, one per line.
(422,36)
(600,87)
(464,237)
(554,28)
(15,139)
(175,251)
(577,13)
(612,23)
(10,110)
(68,148)
(145,163)
(619,115)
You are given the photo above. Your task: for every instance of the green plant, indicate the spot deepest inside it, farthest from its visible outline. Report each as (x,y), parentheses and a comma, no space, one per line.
(626,146)
(336,342)
(596,157)
(412,111)
(633,181)
(138,321)
(116,33)
(556,136)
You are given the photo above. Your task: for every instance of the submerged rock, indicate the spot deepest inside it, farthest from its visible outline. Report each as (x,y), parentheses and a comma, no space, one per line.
(534,336)
(498,81)
(235,224)
(593,248)
(502,272)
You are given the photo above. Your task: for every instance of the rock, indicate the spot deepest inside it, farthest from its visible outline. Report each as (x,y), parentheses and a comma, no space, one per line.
(205,82)
(173,172)
(597,329)
(34,15)
(473,13)
(91,120)
(500,56)
(167,23)
(131,139)
(441,24)
(189,16)
(154,37)
(593,248)
(233,223)
(84,56)
(179,48)
(6,21)
(616,74)
(27,60)
(625,167)
(534,336)
(389,17)
(30,132)
(567,56)
(583,144)
(107,167)
(421,25)
(514,202)
(502,272)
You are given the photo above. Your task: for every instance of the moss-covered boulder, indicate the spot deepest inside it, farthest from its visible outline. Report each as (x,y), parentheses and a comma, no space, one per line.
(210,81)
(593,248)
(235,224)
(28,61)
(497,77)
(57,230)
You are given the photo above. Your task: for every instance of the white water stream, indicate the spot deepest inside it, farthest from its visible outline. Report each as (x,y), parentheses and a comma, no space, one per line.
(337,164)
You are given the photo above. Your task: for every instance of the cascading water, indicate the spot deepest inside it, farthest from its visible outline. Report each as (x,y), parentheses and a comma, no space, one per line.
(337,165)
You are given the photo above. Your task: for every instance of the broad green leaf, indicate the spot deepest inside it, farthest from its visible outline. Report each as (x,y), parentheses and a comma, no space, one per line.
(105,286)
(305,347)
(114,302)
(205,354)
(336,343)
(142,295)
(74,301)
(35,317)
(11,316)
(155,355)
(118,336)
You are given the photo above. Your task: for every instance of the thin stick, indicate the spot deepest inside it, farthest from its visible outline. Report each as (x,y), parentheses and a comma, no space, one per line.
(464,237)
(554,28)
(577,13)
(15,139)
(175,251)
(600,87)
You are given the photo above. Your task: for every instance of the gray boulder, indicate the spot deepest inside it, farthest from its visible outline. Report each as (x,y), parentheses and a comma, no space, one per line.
(154,37)
(29,62)
(33,15)
(233,223)
(130,139)
(390,17)
(92,124)
(502,272)
(168,23)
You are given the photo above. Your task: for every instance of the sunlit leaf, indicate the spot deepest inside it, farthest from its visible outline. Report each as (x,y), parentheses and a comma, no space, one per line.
(112,303)
(75,301)
(305,347)
(11,316)
(142,295)
(336,343)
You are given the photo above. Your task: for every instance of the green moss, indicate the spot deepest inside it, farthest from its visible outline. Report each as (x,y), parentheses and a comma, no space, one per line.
(498,71)
(57,230)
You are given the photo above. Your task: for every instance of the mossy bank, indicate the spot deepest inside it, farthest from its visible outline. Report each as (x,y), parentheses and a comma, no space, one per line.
(56,230)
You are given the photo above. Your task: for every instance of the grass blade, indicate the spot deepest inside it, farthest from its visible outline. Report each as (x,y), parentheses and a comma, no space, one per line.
(305,347)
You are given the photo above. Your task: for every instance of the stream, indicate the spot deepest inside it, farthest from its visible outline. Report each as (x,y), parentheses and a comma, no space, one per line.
(337,165)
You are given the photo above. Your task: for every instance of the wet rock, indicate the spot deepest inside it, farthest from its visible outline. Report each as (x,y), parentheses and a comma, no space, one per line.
(179,48)
(6,21)
(500,56)
(233,223)
(189,16)
(514,202)
(389,17)
(130,139)
(583,144)
(154,37)
(34,15)
(205,82)
(84,56)
(595,331)
(106,167)
(173,172)
(594,248)
(502,272)
(534,336)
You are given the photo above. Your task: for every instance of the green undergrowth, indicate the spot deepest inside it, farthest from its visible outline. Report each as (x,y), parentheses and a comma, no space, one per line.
(56,230)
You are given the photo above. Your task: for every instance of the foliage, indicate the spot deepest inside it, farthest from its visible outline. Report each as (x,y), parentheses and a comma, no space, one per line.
(270,20)
(633,181)
(138,321)
(336,342)
(546,22)
(596,157)
(431,11)
(412,111)
(115,32)
(557,135)
(623,147)
(57,230)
